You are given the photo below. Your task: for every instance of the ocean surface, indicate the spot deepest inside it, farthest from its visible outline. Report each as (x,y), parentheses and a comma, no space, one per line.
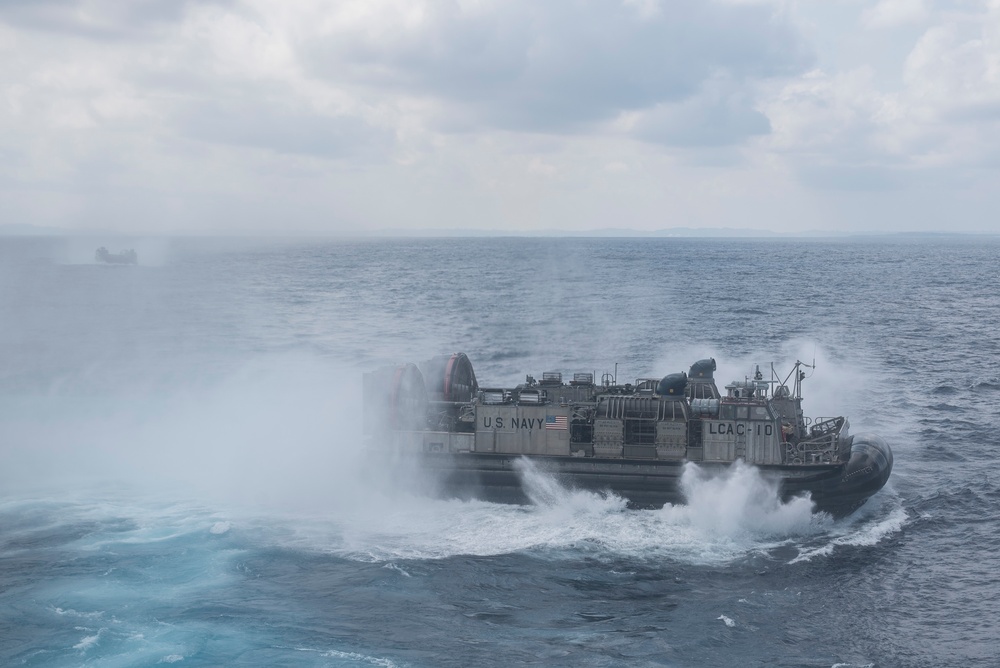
(182,481)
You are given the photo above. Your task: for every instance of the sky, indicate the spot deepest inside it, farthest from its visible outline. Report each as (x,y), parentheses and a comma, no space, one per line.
(392,116)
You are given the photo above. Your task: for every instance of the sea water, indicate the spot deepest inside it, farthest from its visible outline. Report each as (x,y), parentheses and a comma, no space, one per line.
(182,479)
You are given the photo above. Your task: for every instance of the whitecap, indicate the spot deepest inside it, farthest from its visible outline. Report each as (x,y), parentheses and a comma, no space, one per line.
(351,656)
(394,567)
(89,641)
(75,613)
(354,656)
(866,534)
(220,528)
(727,621)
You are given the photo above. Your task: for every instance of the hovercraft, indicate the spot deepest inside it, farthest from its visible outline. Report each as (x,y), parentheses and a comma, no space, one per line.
(129,256)
(632,439)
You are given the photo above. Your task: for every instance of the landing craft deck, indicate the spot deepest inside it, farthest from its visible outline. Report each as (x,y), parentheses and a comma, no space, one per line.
(631,439)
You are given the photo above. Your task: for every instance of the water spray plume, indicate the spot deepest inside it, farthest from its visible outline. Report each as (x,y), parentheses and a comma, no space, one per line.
(739,502)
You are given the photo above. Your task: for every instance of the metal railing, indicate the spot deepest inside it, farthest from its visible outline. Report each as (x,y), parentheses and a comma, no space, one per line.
(821,446)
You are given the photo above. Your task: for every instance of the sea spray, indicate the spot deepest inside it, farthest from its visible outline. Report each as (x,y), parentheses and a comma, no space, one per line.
(544,489)
(738,501)
(730,515)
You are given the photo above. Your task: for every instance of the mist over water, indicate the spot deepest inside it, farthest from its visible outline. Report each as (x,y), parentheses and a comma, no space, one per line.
(279,431)
(182,479)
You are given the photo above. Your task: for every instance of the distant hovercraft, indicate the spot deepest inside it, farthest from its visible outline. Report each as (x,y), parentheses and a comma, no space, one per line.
(629,439)
(125,257)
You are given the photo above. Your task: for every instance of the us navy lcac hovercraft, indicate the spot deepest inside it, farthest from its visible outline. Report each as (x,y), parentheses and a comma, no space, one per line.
(631,439)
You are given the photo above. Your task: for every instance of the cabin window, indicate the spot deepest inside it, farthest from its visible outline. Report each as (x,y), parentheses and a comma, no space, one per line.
(727,412)
(760,413)
(741,412)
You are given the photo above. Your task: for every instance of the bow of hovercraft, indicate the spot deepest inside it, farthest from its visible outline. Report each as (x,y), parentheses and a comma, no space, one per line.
(866,472)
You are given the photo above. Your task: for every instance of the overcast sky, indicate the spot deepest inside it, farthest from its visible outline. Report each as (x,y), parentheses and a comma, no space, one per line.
(257,116)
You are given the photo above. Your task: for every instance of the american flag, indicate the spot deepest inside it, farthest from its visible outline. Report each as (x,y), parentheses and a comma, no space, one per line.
(555,422)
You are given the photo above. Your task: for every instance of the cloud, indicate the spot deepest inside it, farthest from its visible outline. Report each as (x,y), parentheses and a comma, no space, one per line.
(282,127)
(98,19)
(839,118)
(719,115)
(188,114)
(955,66)
(367,69)
(893,13)
(560,66)
(849,130)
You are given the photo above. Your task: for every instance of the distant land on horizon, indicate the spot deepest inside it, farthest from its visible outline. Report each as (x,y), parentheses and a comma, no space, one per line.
(25,229)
